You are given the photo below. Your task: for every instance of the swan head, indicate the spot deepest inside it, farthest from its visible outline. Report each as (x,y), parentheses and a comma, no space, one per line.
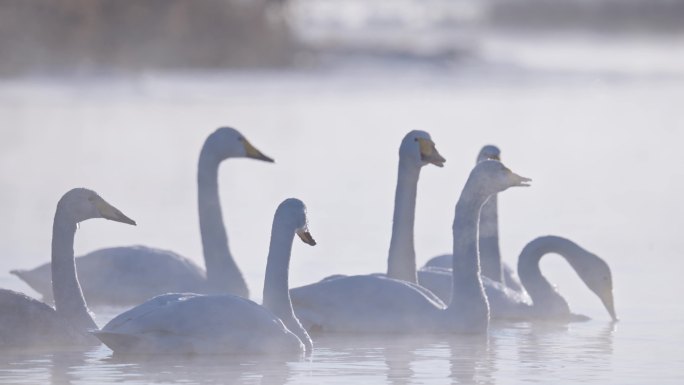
(81,204)
(493,177)
(227,142)
(596,274)
(489,152)
(418,147)
(293,211)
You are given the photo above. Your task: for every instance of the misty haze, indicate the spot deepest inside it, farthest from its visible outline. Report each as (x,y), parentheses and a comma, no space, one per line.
(341,105)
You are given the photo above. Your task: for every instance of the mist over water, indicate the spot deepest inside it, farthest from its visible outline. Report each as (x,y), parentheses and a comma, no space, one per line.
(594,120)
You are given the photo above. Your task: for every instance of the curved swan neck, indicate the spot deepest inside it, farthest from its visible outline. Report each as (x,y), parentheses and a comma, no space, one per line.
(223,274)
(538,287)
(276,296)
(467,290)
(490,254)
(69,301)
(276,284)
(401,263)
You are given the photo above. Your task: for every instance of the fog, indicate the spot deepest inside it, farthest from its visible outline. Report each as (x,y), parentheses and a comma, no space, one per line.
(585,99)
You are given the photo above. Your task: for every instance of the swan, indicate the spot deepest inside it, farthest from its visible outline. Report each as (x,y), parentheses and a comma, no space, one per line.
(380,304)
(132,274)
(222,323)
(416,150)
(490,254)
(26,322)
(546,303)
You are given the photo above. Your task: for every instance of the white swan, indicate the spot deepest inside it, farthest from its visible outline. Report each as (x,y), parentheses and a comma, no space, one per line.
(416,150)
(26,322)
(546,302)
(132,274)
(222,324)
(490,254)
(378,304)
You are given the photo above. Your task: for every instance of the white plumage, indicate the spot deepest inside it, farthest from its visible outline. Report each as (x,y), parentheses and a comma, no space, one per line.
(26,322)
(132,274)
(375,304)
(222,324)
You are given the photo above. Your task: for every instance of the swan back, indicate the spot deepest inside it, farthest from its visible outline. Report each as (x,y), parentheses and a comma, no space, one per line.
(26,322)
(365,304)
(198,324)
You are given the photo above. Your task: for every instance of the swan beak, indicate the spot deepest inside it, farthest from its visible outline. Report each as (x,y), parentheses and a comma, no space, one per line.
(520,181)
(252,152)
(429,153)
(110,212)
(306,237)
(607,299)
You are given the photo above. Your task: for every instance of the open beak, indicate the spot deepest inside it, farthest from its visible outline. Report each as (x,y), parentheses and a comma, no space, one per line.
(306,237)
(253,153)
(429,153)
(520,181)
(607,300)
(110,212)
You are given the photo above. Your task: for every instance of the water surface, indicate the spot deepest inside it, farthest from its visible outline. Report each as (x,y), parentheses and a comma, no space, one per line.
(599,135)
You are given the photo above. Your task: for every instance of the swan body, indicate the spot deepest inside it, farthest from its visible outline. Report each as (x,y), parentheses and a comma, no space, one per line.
(377,304)
(26,322)
(130,275)
(490,255)
(364,303)
(221,323)
(546,303)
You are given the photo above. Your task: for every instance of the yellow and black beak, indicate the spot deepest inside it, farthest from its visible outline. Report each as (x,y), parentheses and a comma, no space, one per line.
(306,237)
(110,212)
(429,153)
(252,152)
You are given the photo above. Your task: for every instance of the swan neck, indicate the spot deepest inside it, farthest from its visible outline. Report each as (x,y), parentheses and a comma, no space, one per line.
(490,254)
(540,290)
(223,275)
(401,262)
(69,301)
(467,290)
(276,296)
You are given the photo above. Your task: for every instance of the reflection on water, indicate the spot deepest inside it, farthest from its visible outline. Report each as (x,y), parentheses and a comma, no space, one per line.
(534,352)
(599,133)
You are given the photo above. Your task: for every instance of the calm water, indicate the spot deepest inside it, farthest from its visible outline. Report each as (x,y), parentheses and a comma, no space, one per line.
(599,129)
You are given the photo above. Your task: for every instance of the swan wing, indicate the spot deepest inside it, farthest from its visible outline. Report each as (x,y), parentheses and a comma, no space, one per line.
(363,303)
(444,261)
(26,322)
(124,275)
(198,324)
